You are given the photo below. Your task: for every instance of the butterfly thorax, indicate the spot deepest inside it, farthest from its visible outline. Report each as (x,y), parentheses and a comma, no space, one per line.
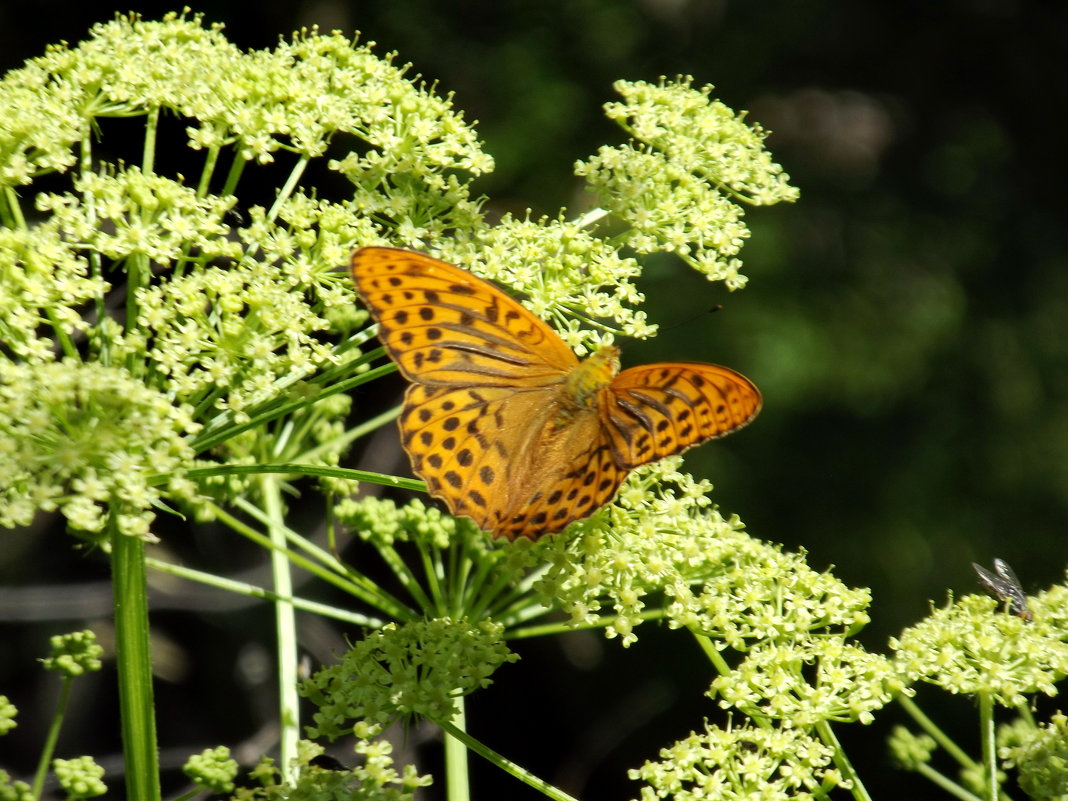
(591,376)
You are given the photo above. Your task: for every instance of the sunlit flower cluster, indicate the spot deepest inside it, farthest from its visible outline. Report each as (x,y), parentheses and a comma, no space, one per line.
(675,188)
(125,212)
(740,764)
(218,308)
(805,683)
(577,282)
(43,279)
(670,208)
(762,594)
(702,134)
(973,647)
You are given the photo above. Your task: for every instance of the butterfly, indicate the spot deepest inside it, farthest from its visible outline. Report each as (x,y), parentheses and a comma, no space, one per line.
(1004,586)
(503,421)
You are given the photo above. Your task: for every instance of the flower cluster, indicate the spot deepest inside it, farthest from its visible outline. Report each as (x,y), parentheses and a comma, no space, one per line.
(1041,755)
(212,769)
(14,790)
(416,668)
(806,683)
(74,654)
(660,530)
(85,439)
(704,135)
(738,764)
(8,711)
(972,647)
(572,279)
(762,594)
(215,323)
(675,188)
(80,777)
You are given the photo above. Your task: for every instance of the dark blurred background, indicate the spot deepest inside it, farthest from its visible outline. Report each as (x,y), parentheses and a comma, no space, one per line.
(906,321)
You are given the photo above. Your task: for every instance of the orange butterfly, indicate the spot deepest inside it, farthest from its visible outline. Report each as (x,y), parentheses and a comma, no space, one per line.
(502,420)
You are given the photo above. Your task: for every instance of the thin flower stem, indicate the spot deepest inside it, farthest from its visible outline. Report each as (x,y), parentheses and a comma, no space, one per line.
(49,747)
(591,217)
(220,432)
(403,573)
(436,603)
(563,628)
(939,736)
(313,470)
(457,780)
(210,161)
(290,185)
(841,760)
(945,783)
(12,210)
(504,764)
(133,661)
(252,591)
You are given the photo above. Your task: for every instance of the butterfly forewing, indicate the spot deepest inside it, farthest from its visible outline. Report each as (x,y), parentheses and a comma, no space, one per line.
(444,326)
(657,410)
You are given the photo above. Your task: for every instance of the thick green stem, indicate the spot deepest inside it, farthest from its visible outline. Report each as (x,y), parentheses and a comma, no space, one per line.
(133,661)
(285,627)
(990,751)
(457,782)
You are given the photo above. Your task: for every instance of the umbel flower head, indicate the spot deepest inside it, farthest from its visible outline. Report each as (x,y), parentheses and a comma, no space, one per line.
(739,764)
(971,646)
(85,439)
(417,668)
(1041,755)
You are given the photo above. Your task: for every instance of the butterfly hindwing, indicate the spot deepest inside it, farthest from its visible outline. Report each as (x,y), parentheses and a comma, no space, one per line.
(494,455)
(444,326)
(657,410)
